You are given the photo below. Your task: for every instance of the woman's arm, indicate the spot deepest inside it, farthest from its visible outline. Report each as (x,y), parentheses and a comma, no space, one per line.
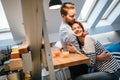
(89,48)
(90,44)
(104,56)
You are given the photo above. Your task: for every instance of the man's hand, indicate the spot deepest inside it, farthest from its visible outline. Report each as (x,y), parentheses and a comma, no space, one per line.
(104,56)
(72,48)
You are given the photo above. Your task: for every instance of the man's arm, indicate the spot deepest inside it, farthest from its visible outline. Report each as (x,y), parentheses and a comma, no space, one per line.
(104,56)
(72,48)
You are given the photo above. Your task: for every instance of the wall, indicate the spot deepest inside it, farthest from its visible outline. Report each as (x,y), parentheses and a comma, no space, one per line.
(108,38)
(53,37)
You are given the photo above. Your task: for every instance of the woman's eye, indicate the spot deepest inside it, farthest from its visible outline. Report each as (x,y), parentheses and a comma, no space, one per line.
(74,29)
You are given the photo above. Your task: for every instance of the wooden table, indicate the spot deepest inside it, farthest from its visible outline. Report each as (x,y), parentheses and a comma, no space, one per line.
(73,59)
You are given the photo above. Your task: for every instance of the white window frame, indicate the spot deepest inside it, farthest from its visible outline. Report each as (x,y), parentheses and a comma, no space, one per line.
(110,9)
(88,11)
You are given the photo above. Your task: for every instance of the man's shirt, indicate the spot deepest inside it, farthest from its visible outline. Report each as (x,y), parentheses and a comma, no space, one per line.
(67,36)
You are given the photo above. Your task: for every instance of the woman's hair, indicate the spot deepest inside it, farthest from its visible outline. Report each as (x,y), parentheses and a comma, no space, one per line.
(79,23)
(65,7)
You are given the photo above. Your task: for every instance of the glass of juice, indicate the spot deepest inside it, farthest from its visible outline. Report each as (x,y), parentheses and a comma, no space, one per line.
(65,53)
(56,52)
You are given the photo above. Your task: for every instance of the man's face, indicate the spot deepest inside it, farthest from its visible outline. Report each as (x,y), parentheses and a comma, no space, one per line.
(70,17)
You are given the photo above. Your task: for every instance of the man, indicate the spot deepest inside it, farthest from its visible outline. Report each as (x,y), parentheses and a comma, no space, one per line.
(67,37)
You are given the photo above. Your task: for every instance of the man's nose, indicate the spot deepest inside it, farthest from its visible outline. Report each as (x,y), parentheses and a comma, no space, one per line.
(74,17)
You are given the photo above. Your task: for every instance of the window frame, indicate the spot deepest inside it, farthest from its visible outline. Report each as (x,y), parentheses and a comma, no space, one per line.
(110,9)
(89,11)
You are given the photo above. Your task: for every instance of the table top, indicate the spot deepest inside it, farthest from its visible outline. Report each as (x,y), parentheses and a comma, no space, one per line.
(71,60)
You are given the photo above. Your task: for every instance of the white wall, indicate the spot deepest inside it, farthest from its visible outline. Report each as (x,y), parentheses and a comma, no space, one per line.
(108,38)
(54,37)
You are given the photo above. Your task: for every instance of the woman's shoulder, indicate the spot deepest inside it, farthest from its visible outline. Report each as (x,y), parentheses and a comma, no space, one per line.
(89,37)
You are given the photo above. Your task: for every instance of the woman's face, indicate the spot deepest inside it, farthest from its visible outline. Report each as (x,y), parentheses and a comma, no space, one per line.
(77,29)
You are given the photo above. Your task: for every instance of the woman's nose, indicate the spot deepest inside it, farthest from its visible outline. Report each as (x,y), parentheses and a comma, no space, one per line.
(77,30)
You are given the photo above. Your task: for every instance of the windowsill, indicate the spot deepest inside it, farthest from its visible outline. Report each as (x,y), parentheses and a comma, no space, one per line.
(4,30)
(6,35)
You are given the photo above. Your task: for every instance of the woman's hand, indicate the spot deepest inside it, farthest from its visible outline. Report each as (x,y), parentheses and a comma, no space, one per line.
(104,56)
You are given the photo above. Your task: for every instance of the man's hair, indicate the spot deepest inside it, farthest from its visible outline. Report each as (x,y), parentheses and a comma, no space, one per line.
(79,23)
(65,7)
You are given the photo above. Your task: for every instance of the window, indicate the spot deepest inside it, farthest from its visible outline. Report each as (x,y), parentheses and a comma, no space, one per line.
(4,26)
(86,10)
(110,9)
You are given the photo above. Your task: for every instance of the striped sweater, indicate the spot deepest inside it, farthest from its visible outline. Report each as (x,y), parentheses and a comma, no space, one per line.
(93,48)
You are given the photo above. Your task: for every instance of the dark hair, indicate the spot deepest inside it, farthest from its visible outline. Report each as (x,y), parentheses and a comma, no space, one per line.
(79,23)
(65,7)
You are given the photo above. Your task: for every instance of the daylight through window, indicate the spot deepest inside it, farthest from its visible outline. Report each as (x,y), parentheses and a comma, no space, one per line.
(3,20)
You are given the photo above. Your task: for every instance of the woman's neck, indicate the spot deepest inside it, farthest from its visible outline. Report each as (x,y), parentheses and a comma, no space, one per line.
(81,39)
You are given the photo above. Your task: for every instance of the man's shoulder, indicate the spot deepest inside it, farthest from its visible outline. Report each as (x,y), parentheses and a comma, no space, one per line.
(64,28)
(63,25)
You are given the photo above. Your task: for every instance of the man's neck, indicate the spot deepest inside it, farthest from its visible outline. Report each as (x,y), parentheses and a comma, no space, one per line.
(67,23)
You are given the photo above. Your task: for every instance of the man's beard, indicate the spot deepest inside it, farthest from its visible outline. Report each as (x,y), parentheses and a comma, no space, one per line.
(70,23)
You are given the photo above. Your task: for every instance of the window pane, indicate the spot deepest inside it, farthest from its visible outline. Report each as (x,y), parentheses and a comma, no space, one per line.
(110,9)
(3,19)
(86,10)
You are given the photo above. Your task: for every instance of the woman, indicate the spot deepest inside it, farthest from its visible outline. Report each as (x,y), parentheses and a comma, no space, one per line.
(106,70)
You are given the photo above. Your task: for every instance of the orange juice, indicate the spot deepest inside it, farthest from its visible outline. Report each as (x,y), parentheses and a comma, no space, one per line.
(56,53)
(65,53)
